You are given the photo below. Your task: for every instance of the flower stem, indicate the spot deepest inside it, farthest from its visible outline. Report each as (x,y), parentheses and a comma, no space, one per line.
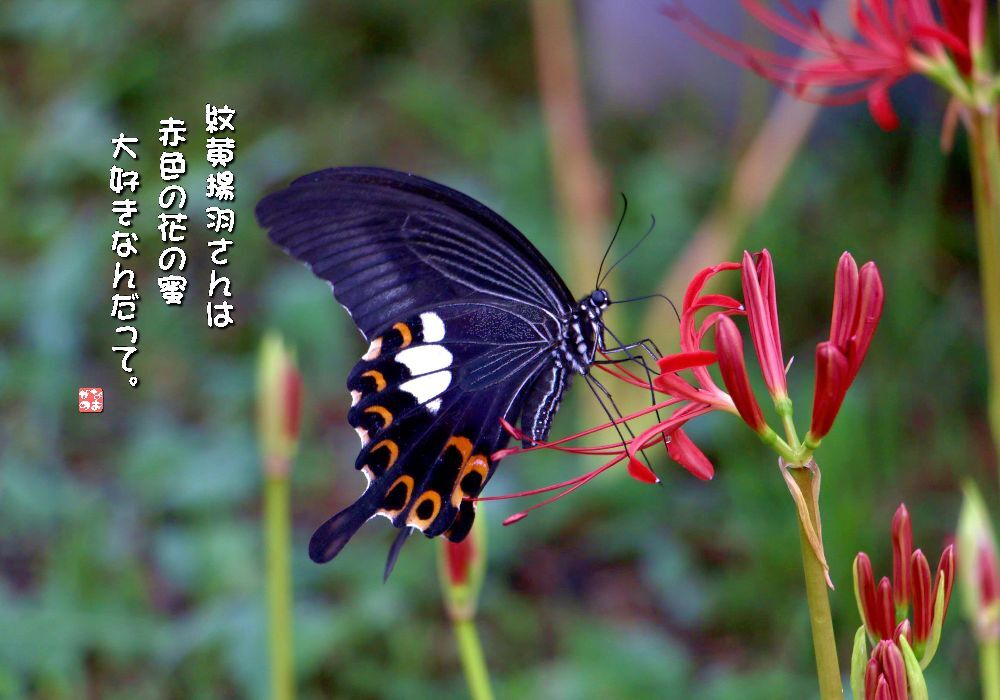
(279,589)
(473,662)
(820,619)
(989,667)
(986,181)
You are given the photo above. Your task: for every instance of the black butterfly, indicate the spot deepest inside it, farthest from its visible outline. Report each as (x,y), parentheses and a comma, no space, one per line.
(467,322)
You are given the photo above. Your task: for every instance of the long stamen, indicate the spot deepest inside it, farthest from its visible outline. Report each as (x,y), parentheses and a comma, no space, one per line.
(553,487)
(524,513)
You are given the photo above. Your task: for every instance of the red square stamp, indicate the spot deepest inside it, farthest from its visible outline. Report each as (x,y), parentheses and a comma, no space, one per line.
(91,399)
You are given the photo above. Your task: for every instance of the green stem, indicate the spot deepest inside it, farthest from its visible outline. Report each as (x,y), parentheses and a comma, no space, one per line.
(473,662)
(986,181)
(279,588)
(820,618)
(989,666)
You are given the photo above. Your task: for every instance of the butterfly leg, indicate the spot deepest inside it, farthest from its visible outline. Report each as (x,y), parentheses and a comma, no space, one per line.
(646,344)
(616,419)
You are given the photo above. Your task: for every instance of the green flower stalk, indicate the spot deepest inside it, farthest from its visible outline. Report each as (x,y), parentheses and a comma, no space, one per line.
(461,567)
(979,579)
(279,399)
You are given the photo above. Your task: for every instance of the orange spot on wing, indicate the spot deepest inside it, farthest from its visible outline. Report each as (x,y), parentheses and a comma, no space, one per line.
(404,331)
(477,464)
(378,377)
(421,523)
(393,451)
(383,412)
(462,444)
(407,482)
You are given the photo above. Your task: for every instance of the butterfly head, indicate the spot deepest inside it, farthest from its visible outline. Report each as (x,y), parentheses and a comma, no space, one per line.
(599,299)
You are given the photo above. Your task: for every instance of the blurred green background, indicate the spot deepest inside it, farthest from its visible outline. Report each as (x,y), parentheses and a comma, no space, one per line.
(130,542)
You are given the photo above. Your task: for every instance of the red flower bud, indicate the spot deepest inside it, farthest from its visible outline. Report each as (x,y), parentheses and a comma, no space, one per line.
(864,590)
(885,613)
(903,629)
(946,566)
(902,549)
(893,669)
(458,557)
(831,387)
(729,348)
(845,300)
(871,297)
(762,317)
(923,607)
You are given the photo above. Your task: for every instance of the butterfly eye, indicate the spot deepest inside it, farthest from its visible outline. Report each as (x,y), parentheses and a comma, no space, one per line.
(599,297)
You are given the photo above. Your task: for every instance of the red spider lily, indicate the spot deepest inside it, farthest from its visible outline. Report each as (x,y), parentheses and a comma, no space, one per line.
(884,606)
(857,308)
(895,39)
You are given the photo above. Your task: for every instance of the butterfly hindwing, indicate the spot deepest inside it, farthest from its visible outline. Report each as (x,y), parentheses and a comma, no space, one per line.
(427,402)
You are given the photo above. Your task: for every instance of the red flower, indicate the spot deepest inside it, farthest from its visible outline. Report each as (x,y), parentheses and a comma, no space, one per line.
(895,39)
(692,391)
(884,607)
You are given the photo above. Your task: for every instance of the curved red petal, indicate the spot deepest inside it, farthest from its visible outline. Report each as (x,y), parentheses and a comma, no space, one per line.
(687,454)
(729,346)
(640,472)
(686,360)
(881,107)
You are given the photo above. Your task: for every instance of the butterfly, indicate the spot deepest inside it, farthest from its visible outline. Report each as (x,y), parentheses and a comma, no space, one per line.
(467,324)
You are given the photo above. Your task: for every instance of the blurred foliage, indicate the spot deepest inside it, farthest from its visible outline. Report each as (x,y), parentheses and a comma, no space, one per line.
(130,562)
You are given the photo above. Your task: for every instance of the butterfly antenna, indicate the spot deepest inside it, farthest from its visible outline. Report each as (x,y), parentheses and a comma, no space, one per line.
(652,296)
(613,238)
(631,250)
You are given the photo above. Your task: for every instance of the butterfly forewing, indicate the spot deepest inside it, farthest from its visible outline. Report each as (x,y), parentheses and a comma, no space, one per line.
(391,243)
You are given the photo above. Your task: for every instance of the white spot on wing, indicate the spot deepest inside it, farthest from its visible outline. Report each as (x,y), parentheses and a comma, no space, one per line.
(434,406)
(424,359)
(427,387)
(433,327)
(363,434)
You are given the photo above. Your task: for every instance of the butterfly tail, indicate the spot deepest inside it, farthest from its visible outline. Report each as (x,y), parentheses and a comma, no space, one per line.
(336,532)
